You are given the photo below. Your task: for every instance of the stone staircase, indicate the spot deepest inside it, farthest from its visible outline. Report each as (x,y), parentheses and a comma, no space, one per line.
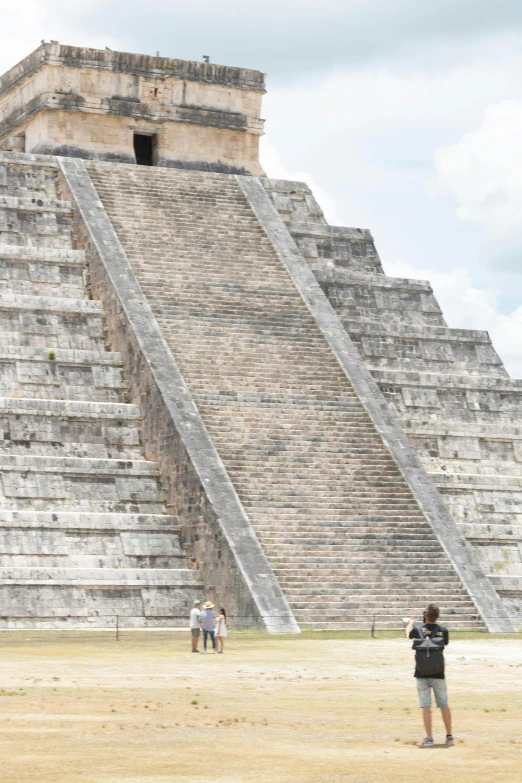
(336,519)
(83,531)
(448,387)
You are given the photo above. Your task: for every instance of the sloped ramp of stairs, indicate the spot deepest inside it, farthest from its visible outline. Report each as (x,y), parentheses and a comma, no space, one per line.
(341,528)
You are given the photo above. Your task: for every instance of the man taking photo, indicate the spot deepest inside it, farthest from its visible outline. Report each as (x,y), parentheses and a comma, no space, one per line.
(429,641)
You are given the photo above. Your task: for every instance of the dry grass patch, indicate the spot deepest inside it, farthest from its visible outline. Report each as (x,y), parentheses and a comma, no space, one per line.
(84,708)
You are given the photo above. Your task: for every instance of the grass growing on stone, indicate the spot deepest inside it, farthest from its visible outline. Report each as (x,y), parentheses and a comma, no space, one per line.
(85,708)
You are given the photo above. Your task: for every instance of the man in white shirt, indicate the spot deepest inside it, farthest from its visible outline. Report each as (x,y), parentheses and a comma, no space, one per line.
(195,625)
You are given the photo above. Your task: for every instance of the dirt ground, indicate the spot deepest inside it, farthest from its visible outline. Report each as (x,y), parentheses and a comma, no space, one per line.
(89,709)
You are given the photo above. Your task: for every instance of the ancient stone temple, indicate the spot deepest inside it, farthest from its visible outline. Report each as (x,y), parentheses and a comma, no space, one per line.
(208,390)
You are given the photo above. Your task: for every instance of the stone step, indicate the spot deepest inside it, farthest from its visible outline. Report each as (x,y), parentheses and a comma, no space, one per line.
(42,255)
(425,355)
(395,590)
(173,616)
(493,483)
(382,619)
(373,483)
(258,414)
(456,428)
(309,478)
(98,577)
(492,532)
(418,364)
(250,446)
(489,467)
(476,417)
(273,534)
(30,160)
(331,535)
(302,548)
(335,476)
(507,584)
(37,272)
(69,605)
(39,321)
(374,571)
(47,483)
(384,592)
(93,376)
(379,298)
(66,428)
(90,561)
(387,603)
(316,516)
(40,598)
(447,381)
(48,464)
(73,543)
(351,502)
(288,558)
(35,204)
(35,221)
(75,521)
(329,539)
(440,334)
(362,623)
(490,448)
(371,570)
(322,613)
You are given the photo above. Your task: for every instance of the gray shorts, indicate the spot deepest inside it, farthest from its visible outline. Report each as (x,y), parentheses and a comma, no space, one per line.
(195,632)
(424,686)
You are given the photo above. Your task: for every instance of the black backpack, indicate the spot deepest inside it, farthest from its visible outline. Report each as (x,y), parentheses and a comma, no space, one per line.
(429,652)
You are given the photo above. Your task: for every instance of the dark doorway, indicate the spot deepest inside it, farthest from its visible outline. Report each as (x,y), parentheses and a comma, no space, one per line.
(144,149)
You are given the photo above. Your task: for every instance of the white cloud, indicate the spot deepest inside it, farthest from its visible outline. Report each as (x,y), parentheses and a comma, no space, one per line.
(467,307)
(27,22)
(483,171)
(271,163)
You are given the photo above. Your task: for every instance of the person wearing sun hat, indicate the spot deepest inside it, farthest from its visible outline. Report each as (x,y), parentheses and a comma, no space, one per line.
(207,618)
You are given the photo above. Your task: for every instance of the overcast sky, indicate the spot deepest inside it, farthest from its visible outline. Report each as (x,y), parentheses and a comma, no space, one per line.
(405,117)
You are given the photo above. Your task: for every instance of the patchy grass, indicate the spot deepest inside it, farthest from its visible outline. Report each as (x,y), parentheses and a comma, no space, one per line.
(315,708)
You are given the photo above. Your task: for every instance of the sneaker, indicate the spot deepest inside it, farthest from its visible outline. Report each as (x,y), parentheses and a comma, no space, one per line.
(204,652)
(450,740)
(196,651)
(427,743)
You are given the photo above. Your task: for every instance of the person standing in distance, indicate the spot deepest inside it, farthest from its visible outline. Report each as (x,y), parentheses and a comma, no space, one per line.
(429,641)
(207,618)
(221,630)
(195,625)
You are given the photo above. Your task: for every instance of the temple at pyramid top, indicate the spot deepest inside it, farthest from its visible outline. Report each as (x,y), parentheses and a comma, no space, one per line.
(133,108)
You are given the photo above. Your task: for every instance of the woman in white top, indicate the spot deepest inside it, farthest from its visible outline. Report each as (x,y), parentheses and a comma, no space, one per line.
(221,629)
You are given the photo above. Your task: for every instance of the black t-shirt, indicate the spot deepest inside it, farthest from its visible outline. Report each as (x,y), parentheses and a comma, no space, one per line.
(434,629)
